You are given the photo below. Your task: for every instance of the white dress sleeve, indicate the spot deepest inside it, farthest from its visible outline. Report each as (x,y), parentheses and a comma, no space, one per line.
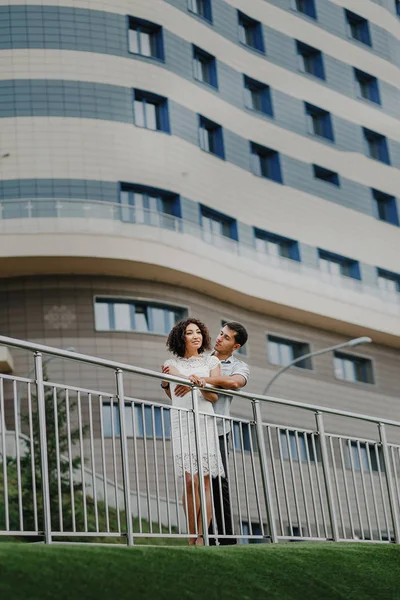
(213,362)
(170,362)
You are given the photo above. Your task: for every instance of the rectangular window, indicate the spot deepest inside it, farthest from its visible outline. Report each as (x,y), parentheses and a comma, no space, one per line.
(365,456)
(257,96)
(250,32)
(282,351)
(211,139)
(353,368)
(326,175)
(204,67)
(265,162)
(201,8)
(376,146)
(150,206)
(397,6)
(358,28)
(367,86)
(215,223)
(334,264)
(145,38)
(135,315)
(151,111)
(253,528)
(319,122)
(387,281)
(306,7)
(310,60)
(298,447)
(276,245)
(385,207)
(241,437)
(143,421)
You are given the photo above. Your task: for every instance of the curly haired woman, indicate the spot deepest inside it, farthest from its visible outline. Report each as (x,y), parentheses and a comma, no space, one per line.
(187,341)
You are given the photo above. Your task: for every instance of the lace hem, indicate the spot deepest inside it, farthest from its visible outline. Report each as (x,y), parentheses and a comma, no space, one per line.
(211,464)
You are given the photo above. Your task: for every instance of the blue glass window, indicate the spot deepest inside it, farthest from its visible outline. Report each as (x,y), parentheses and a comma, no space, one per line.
(123,314)
(310,60)
(204,67)
(397,6)
(326,175)
(216,223)
(265,162)
(298,447)
(306,7)
(367,86)
(385,207)
(151,111)
(250,32)
(201,8)
(276,245)
(145,38)
(257,96)
(147,421)
(376,146)
(252,528)
(319,122)
(365,456)
(358,28)
(241,436)
(353,368)
(151,206)
(282,351)
(334,264)
(211,138)
(387,281)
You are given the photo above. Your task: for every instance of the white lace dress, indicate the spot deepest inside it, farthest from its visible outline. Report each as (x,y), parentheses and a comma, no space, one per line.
(182,422)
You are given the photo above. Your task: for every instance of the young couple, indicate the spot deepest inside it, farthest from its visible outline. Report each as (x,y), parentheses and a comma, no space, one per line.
(188,341)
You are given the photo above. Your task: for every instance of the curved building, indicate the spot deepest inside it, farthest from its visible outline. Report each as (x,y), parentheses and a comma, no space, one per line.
(227,159)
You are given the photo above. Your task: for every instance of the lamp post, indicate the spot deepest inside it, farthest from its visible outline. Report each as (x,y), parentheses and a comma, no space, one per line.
(349,344)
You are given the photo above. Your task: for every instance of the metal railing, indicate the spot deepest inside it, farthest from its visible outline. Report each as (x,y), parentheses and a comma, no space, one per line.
(89,210)
(89,464)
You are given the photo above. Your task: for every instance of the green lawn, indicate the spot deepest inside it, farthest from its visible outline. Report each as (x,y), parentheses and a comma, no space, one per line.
(285,571)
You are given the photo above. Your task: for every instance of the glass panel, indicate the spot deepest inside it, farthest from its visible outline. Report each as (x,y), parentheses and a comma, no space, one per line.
(338,365)
(390,285)
(141,318)
(204,139)
(139,202)
(151,115)
(248,97)
(101,316)
(122,317)
(242,33)
(134,41)
(261,245)
(273,248)
(350,371)
(273,353)
(107,428)
(139,113)
(145,43)
(158,320)
(198,73)
(205,71)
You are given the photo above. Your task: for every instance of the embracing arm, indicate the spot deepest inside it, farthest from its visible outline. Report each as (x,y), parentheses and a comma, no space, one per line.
(230,382)
(211,396)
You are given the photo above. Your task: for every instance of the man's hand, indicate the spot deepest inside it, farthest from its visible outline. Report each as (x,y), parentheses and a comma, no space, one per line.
(180,390)
(200,381)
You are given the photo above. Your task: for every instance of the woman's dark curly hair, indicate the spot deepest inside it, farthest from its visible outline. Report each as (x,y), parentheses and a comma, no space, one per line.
(176,340)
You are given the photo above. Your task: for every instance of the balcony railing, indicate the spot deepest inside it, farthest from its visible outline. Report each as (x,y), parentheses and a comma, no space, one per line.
(90,211)
(80,463)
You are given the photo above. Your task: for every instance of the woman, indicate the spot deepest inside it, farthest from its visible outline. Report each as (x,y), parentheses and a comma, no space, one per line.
(187,341)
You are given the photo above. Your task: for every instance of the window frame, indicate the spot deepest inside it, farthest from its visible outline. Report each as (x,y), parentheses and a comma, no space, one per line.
(253,85)
(377,197)
(215,215)
(371,137)
(218,132)
(161,108)
(304,51)
(257,32)
(163,195)
(207,4)
(354,357)
(363,463)
(312,14)
(311,112)
(363,77)
(390,276)
(292,245)
(132,300)
(294,340)
(354,20)
(140,425)
(323,170)
(265,154)
(155,29)
(289,450)
(211,63)
(352,264)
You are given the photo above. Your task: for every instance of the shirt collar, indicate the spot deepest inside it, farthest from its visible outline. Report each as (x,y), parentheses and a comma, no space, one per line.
(227,361)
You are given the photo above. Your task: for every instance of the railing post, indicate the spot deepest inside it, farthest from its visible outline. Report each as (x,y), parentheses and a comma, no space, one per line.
(389,481)
(264,471)
(203,503)
(327,475)
(124,456)
(43,447)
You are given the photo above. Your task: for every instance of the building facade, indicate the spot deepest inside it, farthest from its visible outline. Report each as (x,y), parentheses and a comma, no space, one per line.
(222,159)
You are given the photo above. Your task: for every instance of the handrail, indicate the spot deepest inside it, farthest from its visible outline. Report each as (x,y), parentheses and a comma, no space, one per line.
(41,348)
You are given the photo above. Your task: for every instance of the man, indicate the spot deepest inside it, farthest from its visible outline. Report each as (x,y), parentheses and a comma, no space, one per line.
(234,375)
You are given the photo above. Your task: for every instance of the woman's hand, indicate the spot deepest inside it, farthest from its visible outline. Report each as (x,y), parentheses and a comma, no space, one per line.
(200,381)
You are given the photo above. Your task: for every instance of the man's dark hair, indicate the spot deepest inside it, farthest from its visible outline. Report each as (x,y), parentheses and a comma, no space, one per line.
(241,334)
(176,339)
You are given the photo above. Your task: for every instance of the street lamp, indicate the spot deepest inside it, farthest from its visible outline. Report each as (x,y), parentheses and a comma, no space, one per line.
(349,344)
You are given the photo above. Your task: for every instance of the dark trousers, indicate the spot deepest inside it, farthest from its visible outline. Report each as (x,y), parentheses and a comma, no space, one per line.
(220,484)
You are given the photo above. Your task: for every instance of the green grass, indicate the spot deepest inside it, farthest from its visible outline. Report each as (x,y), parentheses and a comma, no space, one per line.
(284,572)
